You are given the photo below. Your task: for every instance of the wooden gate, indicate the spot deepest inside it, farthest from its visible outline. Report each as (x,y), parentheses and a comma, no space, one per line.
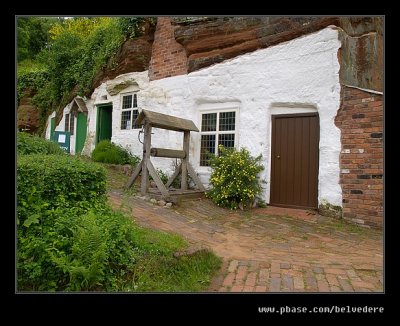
(294,162)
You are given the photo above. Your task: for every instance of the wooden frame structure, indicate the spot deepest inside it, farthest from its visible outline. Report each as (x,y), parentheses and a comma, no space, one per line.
(150,119)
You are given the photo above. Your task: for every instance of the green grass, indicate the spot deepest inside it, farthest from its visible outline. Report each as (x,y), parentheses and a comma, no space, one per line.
(169,274)
(347,227)
(157,270)
(116,180)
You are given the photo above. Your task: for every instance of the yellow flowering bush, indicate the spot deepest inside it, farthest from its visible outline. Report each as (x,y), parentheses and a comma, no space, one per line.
(234,179)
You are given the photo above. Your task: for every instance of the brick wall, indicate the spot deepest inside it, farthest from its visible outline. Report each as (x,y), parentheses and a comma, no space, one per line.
(168,58)
(360,120)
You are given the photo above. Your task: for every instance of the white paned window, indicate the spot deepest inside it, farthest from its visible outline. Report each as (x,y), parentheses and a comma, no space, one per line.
(69,123)
(217,128)
(129,111)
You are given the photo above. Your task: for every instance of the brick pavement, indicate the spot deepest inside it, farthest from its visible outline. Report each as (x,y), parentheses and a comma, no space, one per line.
(271,249)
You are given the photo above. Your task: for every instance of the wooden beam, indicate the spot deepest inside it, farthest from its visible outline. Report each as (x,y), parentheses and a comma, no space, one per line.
(164,152)
(157,180)
(195,178)
(146,158)
(135,174)
(186,142)
(165,121)
(173,177)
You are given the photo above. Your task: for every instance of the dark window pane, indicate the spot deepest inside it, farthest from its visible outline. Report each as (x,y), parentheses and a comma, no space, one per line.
(66,127)
(227,140)
(135,100)
(71,124)
(126,120)
(227,121)
(207,146)
(135,114)
(127,102)
(209,122)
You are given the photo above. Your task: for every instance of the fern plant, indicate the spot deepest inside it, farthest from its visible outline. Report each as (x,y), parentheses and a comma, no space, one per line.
(87,262)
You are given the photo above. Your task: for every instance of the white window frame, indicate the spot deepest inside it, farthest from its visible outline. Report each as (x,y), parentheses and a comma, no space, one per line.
(69,122)
(131,109)
(217,132)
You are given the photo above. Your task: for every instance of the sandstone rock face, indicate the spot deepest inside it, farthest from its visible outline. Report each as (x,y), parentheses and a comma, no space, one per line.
(361,55)
(27,113)
(211,40)
(187,44)
(133,56)
(119,84)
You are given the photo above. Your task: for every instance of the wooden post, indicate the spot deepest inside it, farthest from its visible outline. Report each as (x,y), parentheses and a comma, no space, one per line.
(173,177)
(186,140)
(146,158)
(157,180)
(195,178)
(135,174)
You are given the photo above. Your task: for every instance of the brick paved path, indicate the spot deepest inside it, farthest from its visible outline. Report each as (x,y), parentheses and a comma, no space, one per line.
(268,250)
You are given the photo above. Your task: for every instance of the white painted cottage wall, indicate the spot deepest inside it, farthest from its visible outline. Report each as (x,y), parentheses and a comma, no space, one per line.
(296,76)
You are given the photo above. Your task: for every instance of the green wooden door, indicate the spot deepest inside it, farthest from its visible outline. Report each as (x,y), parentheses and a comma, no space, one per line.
(81,127)
(104,119)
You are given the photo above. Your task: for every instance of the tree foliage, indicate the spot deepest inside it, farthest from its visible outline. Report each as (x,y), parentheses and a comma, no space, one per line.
(33,35)
(81,27)
(72,53)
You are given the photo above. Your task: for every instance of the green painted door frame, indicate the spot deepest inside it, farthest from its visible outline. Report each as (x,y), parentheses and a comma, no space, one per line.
(104,122)
(81,129)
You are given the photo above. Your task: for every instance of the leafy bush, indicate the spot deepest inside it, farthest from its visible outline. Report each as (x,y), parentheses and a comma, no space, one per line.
(33,79)
(130,26)
(28,144)
(61,244)
(234,178)
(71,249)
(108,152)
(101,245)
(69,239)
(49,188)
(58,180)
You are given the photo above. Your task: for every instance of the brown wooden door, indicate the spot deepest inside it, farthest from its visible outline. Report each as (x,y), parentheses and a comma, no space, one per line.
(294,163)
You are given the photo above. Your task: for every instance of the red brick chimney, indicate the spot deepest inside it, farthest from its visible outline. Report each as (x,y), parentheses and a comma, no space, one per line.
(168,58)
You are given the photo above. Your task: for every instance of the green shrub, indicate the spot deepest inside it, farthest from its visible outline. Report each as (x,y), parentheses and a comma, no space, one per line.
(163,176)
(61,245)
(108,152)
(71,249)
(69,239)
(130,26)
(28,144)
(234,178)
(59,180)
(102,244)
(34,79)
